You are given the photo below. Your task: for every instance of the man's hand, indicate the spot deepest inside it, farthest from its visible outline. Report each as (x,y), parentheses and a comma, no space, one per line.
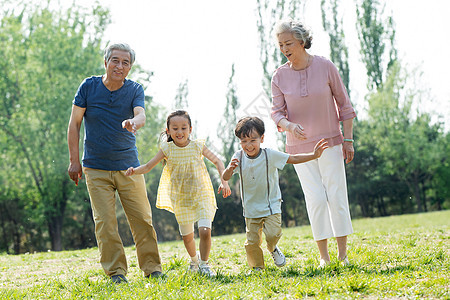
(75,172)
(129,125)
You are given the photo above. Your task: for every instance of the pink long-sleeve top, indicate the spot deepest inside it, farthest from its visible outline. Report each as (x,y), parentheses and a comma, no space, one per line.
(315,98)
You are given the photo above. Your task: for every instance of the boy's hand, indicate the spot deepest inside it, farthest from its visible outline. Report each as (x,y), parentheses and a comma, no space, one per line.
(320,147)
(225,189)
(130,171)
(233,164)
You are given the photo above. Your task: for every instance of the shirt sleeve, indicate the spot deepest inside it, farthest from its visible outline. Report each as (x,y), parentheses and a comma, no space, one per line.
(279,111)
(81,95)
(200,145)
(139,98)
(345,108)
(164,146)
(277,158)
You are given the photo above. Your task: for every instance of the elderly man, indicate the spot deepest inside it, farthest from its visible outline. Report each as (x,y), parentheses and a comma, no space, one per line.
(113,110)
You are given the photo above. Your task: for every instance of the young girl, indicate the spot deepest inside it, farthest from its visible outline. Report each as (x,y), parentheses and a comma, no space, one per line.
(185,188)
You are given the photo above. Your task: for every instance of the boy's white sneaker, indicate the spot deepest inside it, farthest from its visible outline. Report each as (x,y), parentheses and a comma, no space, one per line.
(205,269)
(278,257)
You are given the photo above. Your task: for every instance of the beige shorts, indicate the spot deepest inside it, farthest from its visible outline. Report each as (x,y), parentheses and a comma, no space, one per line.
(186,229)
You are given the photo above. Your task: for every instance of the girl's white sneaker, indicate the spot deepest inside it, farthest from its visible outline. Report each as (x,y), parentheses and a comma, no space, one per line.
(205,269)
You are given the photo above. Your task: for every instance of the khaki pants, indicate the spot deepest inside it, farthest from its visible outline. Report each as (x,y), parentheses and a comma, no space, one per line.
(102,186)
(271,226)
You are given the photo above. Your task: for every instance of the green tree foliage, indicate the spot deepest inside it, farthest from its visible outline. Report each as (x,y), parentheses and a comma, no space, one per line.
(46,56)
(269,13)
(181,101)
(229,120)
(333,25)
(407,146)
(374,33)
(230,206)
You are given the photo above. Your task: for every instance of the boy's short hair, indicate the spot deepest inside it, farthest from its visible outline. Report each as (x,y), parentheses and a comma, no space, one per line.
(247,124)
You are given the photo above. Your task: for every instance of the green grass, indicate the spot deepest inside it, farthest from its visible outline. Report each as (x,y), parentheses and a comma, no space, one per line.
(393,257)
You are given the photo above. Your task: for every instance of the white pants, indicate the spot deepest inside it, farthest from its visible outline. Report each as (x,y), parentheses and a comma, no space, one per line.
(324,185)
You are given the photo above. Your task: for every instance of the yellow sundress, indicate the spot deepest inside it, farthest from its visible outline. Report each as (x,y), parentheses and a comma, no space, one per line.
(185,188)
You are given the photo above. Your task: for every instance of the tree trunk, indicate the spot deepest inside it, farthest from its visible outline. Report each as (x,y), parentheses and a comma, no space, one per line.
(424,198)
(4,230)
(363,206)
(418,198)
(55,230)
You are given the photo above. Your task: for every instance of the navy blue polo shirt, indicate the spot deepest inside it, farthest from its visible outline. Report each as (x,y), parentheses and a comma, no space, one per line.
(108,146)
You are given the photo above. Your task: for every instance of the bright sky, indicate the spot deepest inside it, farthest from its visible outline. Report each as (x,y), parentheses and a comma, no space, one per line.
(199,40)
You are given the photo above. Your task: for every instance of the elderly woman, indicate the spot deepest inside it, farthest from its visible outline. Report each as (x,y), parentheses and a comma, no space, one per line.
(309,101)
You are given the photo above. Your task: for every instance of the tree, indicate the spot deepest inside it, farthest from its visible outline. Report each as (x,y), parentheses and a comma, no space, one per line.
(270,12)
(338,49)
(374,33)
(181,101)
(230,206)
(405,140)
(46,56)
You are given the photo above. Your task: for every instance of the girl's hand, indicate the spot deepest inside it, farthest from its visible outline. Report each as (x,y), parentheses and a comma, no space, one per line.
(296,130)
(320,147)
(225,189)
(130,171)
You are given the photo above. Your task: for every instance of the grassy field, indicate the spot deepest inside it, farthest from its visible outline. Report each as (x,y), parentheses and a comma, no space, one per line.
(392,257)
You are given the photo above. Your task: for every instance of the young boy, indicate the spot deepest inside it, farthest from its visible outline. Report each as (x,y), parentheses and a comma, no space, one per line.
(260,190)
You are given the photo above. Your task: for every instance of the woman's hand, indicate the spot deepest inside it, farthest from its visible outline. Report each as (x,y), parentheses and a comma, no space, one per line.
(349,151)
(296,130)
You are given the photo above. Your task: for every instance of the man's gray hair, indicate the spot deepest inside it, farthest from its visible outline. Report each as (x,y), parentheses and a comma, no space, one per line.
(122,47)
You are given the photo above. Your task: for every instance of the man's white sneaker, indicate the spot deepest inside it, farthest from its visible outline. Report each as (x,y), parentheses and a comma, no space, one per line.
(278,257)
(205,269)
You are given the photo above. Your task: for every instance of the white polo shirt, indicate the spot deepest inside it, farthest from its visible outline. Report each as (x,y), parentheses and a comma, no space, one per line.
(259,176)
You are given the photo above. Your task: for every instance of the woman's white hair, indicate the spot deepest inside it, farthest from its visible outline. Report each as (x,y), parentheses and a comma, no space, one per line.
(298,29)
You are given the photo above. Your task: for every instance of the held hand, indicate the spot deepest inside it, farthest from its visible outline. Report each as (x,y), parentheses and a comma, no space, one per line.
(320,147)
(225,189)
(348,151)
(130,126)
(297,130)
(130,171)
(75,172)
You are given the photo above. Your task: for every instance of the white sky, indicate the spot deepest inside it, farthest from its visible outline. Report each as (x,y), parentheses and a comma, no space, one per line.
(199,40)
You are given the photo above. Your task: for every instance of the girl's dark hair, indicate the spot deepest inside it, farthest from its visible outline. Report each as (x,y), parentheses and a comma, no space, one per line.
(177,113)
(247,124)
